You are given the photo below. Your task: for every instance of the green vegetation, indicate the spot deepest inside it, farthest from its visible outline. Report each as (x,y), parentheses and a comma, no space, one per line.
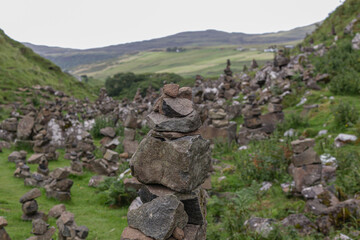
(103,221)
(21,67)
(338,20)
(126,84)
(206,61)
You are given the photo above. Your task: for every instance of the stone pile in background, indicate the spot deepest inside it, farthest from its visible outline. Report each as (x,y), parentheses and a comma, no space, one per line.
(3,234)
(41,230)
(30,206)
(68,229)
(58,185)
(171,162)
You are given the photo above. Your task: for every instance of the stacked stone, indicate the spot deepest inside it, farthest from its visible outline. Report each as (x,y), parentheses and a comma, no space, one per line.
(306,166)
(129,143)
(43,146)
(108,165)
(3,234)
(41,230)
(219,126)
(171,162)
(253,125)
(30,206)
(58,185)
(228,90)
(275,115)
(17,157)
(22,170)
(8,129)
(68,228)
(76,166)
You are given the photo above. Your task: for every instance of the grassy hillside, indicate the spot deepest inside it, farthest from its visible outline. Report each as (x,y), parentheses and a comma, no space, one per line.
(70,58)
(21,67)
(340,18)
(207,61)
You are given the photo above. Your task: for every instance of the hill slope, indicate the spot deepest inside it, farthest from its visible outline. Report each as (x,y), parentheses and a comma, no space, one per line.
(70,58)
(21,67)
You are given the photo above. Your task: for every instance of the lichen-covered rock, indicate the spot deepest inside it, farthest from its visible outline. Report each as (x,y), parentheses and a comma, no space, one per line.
(180,164)
(159,218)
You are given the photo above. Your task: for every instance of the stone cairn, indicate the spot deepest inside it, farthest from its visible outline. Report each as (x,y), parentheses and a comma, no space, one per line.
(68,228)
(253,124)
(30,206)
(306,166)
(58,185)
(3,234)
(171,162)
(41,230)
(108,165)
(129,142)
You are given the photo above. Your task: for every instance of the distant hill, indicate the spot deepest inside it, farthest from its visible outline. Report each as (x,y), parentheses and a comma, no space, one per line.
(20,67)
(69,58)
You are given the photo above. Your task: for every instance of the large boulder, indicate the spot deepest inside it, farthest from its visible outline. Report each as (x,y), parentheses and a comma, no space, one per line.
(181,164)
(24,128)
(162,123)
(31,195)
(159,218)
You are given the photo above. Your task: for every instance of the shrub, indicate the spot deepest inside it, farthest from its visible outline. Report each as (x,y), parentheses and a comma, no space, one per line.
(345,115)
(346,82)
(348,172)
(100,122)
(113,191)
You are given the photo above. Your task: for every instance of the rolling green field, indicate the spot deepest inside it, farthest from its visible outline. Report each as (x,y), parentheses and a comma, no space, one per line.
(206,61)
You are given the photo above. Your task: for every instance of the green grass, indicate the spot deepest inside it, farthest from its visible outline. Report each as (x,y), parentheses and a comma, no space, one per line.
(21,67)
(206,61)
(88,207)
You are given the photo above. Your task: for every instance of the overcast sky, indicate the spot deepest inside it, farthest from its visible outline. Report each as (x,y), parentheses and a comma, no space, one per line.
(96,23)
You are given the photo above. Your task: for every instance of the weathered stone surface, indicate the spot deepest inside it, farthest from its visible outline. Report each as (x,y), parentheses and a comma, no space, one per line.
(111,156)
(67,218)
(63,185)
(131,120)
(177,107)
(217,114)
(185,92)
(36,158)
(32,194)
(309,156)
(130,146)
(161,123)
(194,202)
(37,215)
(252,122)
(30,207)
(57,210)
(167,212)
(135,204)
(356,42)
(180,164)
(132,183)
(59,173)
(195,232)
(172,90)
(178,234)
(130,233)
(108,132)
(39,227)
(300,222)
(129,134)
(82,232)
(24,128)
(307,176)
(299,146)
(342,139)
(226,133)
(9,124)
(60,196)
(220,123)
(15,156)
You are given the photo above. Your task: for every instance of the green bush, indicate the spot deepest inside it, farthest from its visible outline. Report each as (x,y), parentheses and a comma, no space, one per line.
(100,122)
(113,192)
(343,65)
(293,120)
(348,172)
(345,115)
